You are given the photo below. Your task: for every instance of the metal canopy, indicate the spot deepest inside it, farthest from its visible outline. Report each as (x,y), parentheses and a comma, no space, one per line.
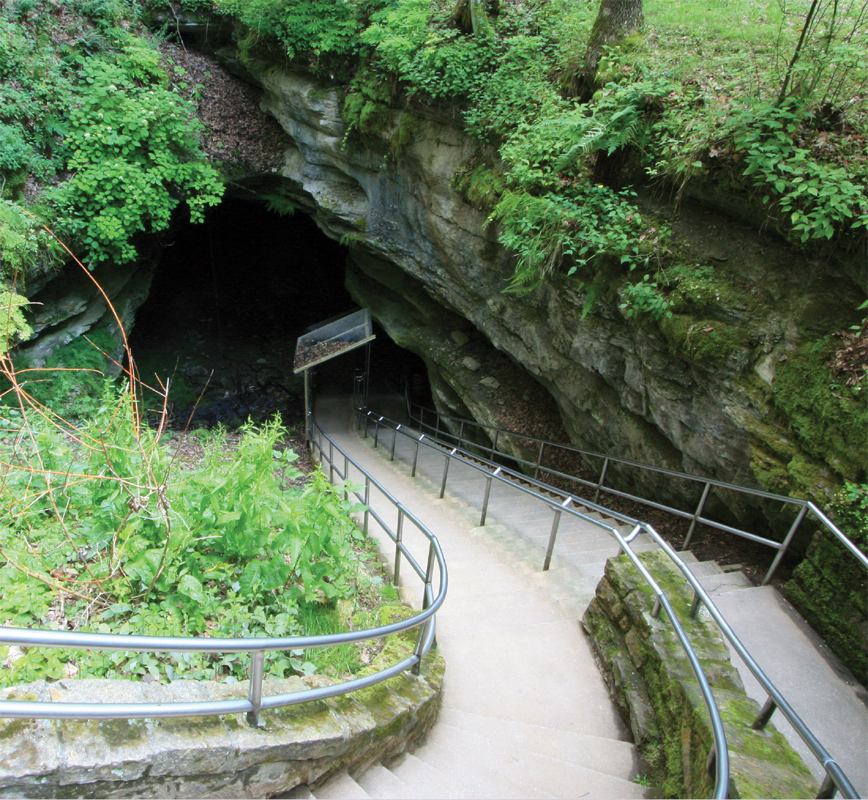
(331,338)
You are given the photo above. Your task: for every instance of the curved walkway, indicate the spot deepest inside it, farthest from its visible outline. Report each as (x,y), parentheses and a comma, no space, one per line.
(526,713)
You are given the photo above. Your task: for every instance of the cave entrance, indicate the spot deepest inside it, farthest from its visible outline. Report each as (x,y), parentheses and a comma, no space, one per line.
(228,300)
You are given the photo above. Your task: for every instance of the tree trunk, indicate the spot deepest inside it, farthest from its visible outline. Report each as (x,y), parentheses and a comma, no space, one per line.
(616,19)
(471,17)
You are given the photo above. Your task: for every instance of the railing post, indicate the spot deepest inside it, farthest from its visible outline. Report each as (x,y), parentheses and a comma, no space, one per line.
(399,534)
(553,535)
(429,576)
(765,715)
(785,544)
(494,443)
(346,476)
(600,482)
(461,434)
(367,414)
(827,788)
(394,439)
(377,431)
(446,472)
(696,516)
(367,500)
(420,642)
(257,670)
(542,447)
(416,456)
(331,461)
(487,495)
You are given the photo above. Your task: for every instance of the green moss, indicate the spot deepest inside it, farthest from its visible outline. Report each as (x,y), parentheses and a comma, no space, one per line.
(677,748)
(827,417)
(480,182)
(830,588)
(375,118)
(409,130)
(15,727)
(702,339)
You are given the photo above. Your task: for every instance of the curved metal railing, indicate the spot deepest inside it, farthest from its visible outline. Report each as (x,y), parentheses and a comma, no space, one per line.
(835,780)
(257,647)
(440,429)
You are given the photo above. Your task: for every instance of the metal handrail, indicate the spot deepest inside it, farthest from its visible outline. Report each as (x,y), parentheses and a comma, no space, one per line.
(494,433)
(255,702)
(836,779)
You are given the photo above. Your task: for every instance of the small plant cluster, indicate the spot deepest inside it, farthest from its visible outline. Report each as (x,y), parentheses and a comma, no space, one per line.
(131,149)
(99,534)
(94,138)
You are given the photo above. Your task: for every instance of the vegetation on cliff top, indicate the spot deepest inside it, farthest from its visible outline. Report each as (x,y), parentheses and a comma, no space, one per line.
(98,137)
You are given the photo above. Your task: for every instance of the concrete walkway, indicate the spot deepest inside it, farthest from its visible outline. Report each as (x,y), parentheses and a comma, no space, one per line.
(526,713)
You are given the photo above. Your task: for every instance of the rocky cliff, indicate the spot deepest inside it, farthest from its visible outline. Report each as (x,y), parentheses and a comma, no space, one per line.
(734,385)
(697,392)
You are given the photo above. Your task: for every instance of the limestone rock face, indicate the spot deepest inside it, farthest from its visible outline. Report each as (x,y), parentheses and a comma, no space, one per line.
(693,398)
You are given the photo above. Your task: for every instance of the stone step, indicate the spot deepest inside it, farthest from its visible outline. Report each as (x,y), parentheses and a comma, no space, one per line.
(724,582)
(341,787)
(504,616)
(426,781)
(476,771)
(544,773)
(703,569)
(612,756)
(380,782)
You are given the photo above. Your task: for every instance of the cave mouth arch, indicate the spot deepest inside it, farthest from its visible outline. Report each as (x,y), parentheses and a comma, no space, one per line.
(228,300)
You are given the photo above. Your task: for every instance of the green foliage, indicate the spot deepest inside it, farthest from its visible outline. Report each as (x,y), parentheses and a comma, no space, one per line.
(431,58)
(134,152)
(819,198)
(573,229)
(644,298)
(223,550)
(516,88)
(72,382)
(26,248)
(307,29)
(13,326)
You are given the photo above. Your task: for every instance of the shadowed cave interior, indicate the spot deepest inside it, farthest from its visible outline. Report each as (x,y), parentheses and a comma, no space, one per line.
(228,300)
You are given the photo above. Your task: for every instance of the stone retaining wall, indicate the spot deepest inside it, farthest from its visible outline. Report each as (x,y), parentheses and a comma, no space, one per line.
(829,590)
(212,756)
(658,695)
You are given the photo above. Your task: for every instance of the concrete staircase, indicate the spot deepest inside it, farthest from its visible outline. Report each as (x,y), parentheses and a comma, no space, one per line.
(525,710)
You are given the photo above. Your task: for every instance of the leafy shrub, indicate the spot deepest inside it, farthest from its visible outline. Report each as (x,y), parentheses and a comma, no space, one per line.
(573,229)
(307,29)
(25,247)
(818,198)
(13,326)
(645,298)
(134,152)
(222,551)
(439,61)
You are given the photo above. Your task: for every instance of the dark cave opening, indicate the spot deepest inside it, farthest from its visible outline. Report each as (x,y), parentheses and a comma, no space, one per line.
(228,300)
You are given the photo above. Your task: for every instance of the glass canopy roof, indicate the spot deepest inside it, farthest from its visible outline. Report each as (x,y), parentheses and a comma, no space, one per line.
(331,338)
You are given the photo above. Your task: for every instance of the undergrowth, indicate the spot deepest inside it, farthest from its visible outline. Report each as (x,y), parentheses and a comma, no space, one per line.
(98,534)
(103,529)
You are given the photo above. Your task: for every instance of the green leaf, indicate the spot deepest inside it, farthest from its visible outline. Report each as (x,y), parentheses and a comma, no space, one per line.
(191,587)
